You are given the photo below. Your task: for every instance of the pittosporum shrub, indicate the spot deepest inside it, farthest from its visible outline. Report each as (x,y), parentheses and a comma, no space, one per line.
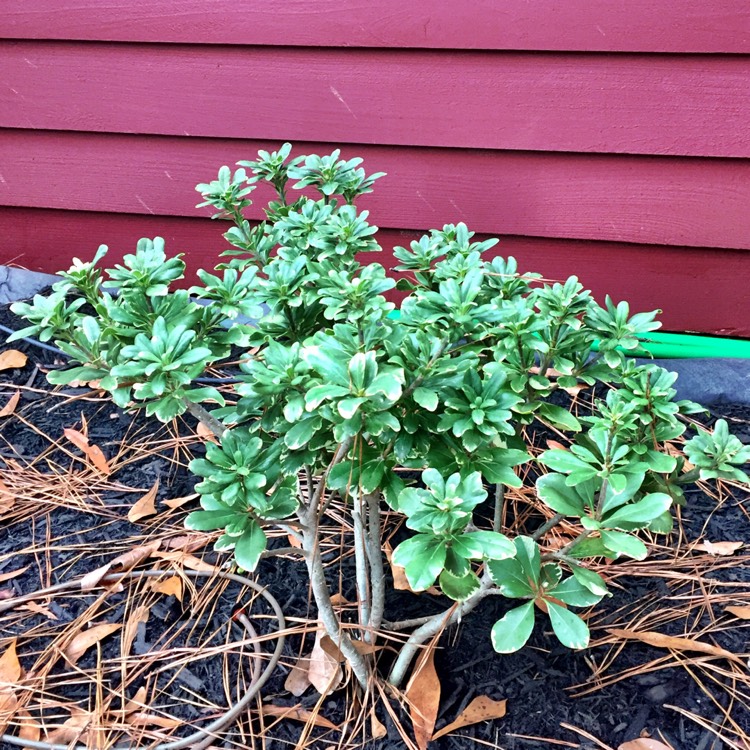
(339,392)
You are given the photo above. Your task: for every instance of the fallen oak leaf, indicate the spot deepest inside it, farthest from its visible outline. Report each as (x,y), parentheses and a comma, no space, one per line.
(120,564)
(743,613)
(84,640)
(677,644)
(423,696)
(145,506)
(481,708)
(10,405)
(12,359)
(298,714)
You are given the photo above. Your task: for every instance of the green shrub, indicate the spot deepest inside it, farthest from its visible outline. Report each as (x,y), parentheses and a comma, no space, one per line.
(339,394)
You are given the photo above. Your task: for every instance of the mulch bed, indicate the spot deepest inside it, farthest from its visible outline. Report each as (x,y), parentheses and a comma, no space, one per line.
(555,697)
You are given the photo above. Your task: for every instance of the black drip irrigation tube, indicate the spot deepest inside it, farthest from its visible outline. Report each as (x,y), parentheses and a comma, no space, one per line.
(202,738)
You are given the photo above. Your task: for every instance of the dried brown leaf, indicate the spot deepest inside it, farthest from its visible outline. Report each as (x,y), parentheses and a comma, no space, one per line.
(324,673)
(10,405)
(298,714)
(185,560)
(145,719)
(677,644)
(377,728)
(297,681)
(92,452)
(12,359)
(481,708)
(188,542)
(130,630)
(137,702)
(120,564)
(82,642)
(145,506)
(423,695)
(719,549)
(743,613)
(10,667)
(28,728)
(294,541)
(72,729)
(178,502)
(644,743)
(171,586)
(38,609)
(13,574)
(7,500)
(205,432)
(399,574)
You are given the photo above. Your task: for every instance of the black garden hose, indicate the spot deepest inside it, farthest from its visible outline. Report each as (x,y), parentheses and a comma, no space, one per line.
(203,737)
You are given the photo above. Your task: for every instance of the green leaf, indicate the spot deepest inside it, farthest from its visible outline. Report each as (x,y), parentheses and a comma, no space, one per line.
(209,520)
(592,581)
(511,632)
(559,417)
(570,629)
(422,557)
(387,384)
(574,593)
(662,524)
(640,514)
(510,578)
(554,492)
(493,545)
(564,461)
(458,588)
(300,435)
(660,462)
(250,546)
(625,544)
(426,398)
(529,558)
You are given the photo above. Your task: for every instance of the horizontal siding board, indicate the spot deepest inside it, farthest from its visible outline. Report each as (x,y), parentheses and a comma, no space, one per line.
(646,200)
(703,290)
(639,104)
(591,25)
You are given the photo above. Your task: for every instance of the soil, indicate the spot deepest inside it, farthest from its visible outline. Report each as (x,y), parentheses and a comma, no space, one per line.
(540,683)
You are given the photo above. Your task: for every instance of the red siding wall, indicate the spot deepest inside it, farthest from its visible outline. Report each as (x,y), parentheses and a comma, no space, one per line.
(604,139)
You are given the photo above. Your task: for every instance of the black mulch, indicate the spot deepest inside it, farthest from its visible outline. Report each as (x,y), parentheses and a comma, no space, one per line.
(536,682)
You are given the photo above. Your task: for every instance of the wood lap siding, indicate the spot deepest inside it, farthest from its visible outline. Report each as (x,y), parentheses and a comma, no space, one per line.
(596,138)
